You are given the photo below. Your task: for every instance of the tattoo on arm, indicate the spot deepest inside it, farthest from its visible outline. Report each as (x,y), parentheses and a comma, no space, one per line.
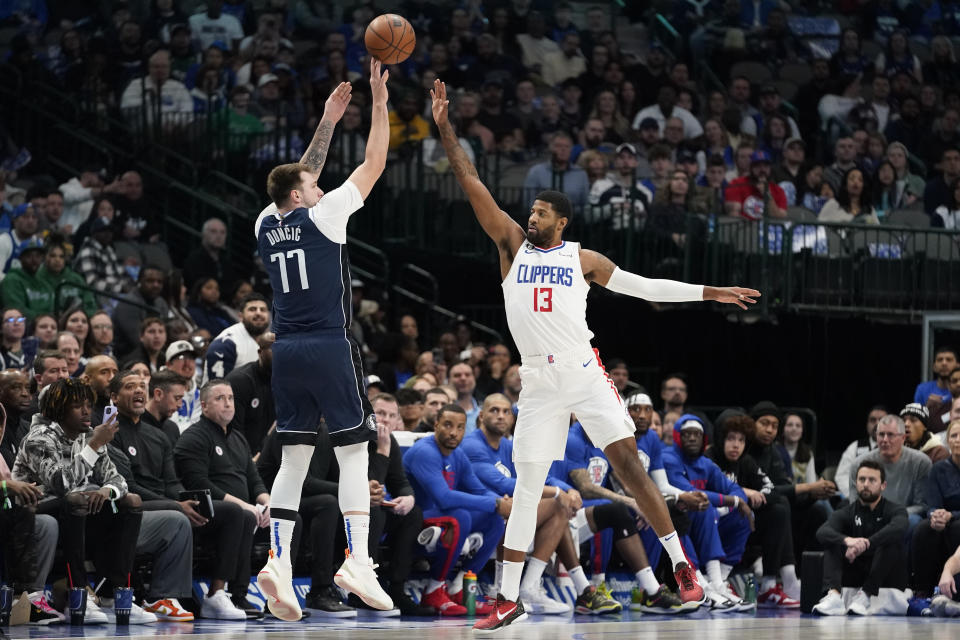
(590,491)
(459,162)
(316,154)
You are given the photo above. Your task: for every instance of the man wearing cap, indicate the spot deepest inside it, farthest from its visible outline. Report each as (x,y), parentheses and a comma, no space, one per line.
(237,345)
(916,417)
(255,412)
(666,107)
(788,172)
(182,55)
(753,196)
(621,194)
(12,243)
(906,469)
(182,360)
(770,102)
(21,288)
(719,537)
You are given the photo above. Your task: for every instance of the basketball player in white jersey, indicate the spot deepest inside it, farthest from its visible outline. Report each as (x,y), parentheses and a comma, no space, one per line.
(545,285)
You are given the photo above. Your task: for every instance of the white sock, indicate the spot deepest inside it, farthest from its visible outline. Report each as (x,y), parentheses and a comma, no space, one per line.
(433,585)
(498,574)
(512,572)
(725,570)
(531,579)
(358,530)
(767,583)
(456,585)
(598,578)
(282,530)
(580,581)
(671,542)
(702,580)
(648,581)
(713,573)
(788,575)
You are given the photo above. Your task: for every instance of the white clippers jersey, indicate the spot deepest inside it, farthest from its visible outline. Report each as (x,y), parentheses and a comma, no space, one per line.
(545,296)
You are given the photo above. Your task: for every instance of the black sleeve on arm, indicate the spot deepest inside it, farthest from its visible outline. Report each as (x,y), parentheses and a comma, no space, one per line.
(254,481)
(268,464)
(125,469)
(192,463)
(896,527)
(833,531)
(397,482)
(379,463)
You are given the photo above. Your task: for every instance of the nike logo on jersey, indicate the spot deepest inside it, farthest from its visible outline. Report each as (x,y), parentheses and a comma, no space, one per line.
(587,363)
(503,616)
(218,354)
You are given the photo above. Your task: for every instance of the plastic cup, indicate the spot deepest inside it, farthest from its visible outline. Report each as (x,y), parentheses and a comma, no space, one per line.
(6,604)
(122,603)
(78,605)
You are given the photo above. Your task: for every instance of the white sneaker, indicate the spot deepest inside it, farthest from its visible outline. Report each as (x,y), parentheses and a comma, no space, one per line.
(860,605)
(276,582)
(944,607)
(219,607)
(360,578)
(537,601)
(732,596)
(718,602)
(137,615)
(93,614)
(830,605)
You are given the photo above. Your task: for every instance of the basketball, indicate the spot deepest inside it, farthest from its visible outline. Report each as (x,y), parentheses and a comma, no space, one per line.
(390,38)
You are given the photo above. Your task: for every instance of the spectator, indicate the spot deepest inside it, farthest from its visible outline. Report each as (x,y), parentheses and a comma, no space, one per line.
(214,25)
(898,58)
(809,95)
(558,173)
(937,192)
(947,215)
(621,195)
(802,464)
(210,455)
(411,407)
(128,317)
(941,69)
(845,159)
(22,288)
(753,196)
(67,285)
(853,202)
(592,138)
(434,399)
(100,336)
(206,309)
(770,103)
(157,93)
(165,394)
(506,128)
(175,296)
(535,45)
(849,60)
(566,63)
(463,380)
(15,400)
(137,223)
(665,108)
(255,412)
(942,413)
(937,536)
(661,164)
(49,366)
(863,546)
(12,243)
(153,336)
(144,457)
(774,136)
(69,460)
(915,417)
(944,362)
(907,128)
(446,487)
(905,470)
(496,364)
(616,128)
(97,261)
(69,346)
(857,448)
(944,136)
(181,358)
(788,173)
(236,345)
(208,259)
(714,181)
(910,186)
(98,373)
(668,213)
(716,141)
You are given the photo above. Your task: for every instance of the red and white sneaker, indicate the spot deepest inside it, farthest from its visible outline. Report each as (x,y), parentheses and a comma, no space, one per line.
(168,610)
(440,600)
(482,607)
(504,613)
(776,598)
(686,577)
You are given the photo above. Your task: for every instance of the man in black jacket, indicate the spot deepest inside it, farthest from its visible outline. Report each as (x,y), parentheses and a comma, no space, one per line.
(166,392)
(212,455)
(863,546)
(255,409)
(144,457)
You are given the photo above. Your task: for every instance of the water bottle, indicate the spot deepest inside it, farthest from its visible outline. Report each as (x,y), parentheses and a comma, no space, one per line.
(470,592)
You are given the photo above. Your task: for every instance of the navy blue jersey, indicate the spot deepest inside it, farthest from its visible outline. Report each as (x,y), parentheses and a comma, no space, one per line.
(305,255)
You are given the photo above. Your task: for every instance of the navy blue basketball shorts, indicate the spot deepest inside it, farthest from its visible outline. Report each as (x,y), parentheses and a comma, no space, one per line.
(319,375)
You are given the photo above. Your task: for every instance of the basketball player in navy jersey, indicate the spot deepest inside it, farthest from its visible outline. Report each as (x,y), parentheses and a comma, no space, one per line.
(545,285)
(302,239)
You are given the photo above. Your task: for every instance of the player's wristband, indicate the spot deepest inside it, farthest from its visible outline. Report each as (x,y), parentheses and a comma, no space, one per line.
(556,496)
(6,497)
(736,502)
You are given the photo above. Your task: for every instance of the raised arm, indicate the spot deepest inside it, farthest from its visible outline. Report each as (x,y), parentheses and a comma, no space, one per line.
(600,269)
(501,228)
(316,154)
(367,174)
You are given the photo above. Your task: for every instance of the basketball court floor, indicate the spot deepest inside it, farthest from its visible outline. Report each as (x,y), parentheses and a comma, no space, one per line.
(696,626)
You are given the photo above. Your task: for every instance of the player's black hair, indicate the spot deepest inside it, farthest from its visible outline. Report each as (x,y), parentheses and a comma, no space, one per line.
(559,201)
(407,397)
(946,349)
(873,464)
(452,408)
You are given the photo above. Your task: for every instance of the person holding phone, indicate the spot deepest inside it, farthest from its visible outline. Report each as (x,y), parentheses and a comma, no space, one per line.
(68,459)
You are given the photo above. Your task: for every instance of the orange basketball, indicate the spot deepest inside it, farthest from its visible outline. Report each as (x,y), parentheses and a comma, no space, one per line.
(390,38)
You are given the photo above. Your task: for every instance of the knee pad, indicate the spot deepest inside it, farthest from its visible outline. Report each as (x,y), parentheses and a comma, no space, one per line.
(614,516)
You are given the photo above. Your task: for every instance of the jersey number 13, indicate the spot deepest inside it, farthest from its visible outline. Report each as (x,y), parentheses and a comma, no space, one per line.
(282,258)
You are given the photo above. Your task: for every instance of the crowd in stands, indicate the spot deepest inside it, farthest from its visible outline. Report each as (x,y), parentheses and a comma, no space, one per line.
(96,315)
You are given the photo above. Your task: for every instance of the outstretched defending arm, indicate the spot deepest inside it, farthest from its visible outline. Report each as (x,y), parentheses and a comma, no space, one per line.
(600,269)
(316,154)
(366,175)
(501,228)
